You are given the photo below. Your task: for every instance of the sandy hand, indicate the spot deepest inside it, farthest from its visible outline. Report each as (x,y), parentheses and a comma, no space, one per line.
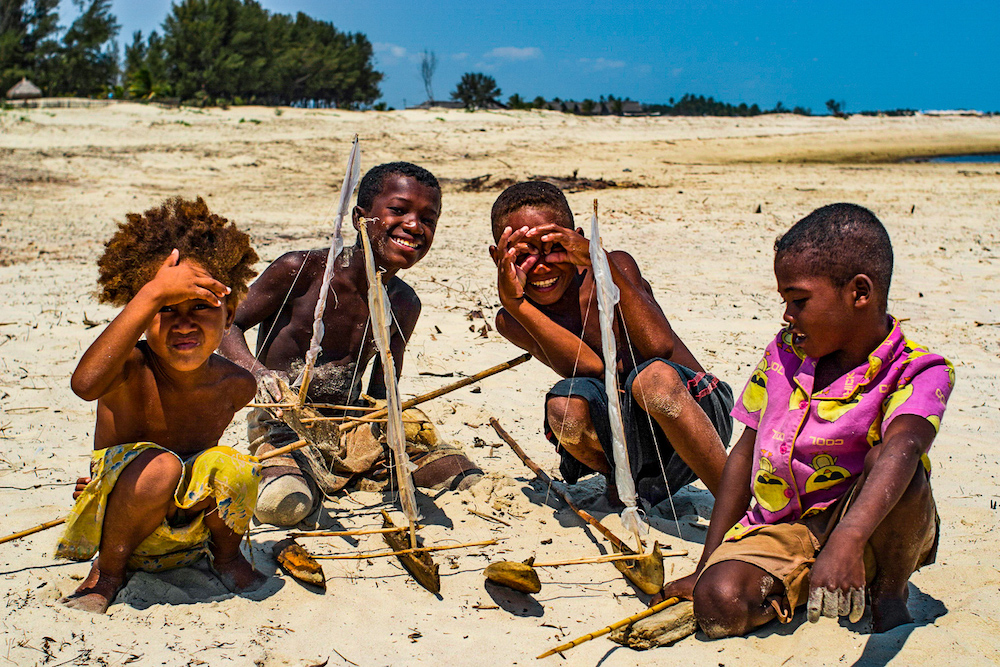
(269,388)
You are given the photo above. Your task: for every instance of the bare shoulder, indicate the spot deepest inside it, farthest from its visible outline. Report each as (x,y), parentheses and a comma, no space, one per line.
(234,381)
(625,263)
(285,270)
(405,301)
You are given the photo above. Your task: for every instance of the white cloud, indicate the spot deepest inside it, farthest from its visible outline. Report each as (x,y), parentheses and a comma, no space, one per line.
(459,56)
(601,64)
(514,53)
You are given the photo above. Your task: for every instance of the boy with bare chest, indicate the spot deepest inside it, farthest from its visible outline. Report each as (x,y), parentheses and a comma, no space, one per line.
(676,415)
(400,204)
(162,492)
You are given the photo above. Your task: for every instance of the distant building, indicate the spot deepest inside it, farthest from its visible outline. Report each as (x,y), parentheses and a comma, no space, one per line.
(24,90)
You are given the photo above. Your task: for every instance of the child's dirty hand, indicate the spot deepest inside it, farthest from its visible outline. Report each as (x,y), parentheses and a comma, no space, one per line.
(178,281)
(837,585)
(269,389)
(562,245)
(682,588)
(81,484)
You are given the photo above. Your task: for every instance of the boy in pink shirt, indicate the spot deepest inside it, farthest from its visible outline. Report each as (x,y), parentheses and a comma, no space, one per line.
(840,414)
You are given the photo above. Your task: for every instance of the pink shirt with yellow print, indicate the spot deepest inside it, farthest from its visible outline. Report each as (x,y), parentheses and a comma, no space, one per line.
(810,446)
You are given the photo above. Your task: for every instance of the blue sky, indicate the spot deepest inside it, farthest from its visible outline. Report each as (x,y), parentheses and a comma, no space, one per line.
(871,55)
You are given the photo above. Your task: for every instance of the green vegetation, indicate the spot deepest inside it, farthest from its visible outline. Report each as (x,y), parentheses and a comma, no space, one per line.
(209,52)
(476,91)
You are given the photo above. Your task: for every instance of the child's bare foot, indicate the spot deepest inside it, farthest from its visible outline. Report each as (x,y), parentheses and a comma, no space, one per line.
(238,575)
(96,593)
(889,613)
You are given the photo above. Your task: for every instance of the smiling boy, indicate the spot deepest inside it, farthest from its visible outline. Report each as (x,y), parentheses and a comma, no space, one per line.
(400,203)
(676,415)
(840,415)
(163,493)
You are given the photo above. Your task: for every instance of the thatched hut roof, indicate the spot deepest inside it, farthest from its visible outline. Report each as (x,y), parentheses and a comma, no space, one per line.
(23,90)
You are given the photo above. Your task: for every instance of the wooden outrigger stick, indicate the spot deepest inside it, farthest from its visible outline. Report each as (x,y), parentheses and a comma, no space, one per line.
(614,626)
(645,570)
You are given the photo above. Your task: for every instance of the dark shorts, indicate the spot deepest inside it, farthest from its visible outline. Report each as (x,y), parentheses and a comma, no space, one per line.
(643,436)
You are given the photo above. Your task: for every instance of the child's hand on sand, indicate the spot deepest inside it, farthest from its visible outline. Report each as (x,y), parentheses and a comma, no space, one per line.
(837,583)
(81,484)
(682,588)
(561,245)
(178,281)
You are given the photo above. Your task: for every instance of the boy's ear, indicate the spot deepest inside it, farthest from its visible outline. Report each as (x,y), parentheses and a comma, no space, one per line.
(230,311)
(495,254)
(863,290)
(356,216)
(579,230)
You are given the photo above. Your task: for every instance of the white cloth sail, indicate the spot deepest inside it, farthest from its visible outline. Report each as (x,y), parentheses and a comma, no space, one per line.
(381,316)
(351,179)
(608,296)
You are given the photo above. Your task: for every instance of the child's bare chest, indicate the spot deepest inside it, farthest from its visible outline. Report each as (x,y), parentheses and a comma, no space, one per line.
(183,421)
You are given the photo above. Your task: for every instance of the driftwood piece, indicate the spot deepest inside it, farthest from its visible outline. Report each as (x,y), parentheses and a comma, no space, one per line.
(298,563)
(662,629)
(517,576)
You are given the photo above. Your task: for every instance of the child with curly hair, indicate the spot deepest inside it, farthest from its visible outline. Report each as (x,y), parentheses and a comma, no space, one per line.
(163,492)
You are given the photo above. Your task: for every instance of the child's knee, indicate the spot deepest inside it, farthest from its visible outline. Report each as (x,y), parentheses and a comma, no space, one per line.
(568,417)
(721,605)
(660,390)
(154,474)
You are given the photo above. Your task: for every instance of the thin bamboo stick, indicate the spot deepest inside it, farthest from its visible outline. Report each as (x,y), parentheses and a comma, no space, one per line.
(464,382)
(326,406)
(382,554)
(611,628)
(31,531)
(349,533)
(607,558)
(545,479)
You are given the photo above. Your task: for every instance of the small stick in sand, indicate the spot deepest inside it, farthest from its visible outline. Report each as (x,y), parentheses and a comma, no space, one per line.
(614,626)
(382,554)
(488,517)
(348,533)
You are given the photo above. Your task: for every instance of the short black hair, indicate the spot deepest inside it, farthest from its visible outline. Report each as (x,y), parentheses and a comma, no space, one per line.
(534,194)
(841,241)
(374,180)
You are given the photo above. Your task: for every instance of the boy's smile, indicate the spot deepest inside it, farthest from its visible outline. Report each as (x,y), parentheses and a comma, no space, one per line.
(407,212)
(546,282)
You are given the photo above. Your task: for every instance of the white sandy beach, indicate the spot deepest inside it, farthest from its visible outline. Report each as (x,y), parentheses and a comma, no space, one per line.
(687,213)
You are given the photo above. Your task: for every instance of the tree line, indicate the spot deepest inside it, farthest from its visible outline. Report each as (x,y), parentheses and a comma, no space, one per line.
(209,52)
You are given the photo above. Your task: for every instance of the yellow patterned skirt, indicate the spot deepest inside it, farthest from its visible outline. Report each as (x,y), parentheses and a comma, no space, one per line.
(219,472)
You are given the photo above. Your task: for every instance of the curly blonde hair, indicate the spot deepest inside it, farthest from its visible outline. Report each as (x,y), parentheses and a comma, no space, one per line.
(135,252)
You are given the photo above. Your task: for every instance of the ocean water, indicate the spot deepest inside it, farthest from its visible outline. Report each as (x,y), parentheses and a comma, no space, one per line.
(988,157)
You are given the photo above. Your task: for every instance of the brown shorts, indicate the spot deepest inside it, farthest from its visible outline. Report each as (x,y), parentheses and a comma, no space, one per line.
(787,552)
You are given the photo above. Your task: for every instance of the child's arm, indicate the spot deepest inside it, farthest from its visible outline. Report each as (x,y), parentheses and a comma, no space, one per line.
(839,568)
(522,323)
(730,505)
(648,328)
(103,365)
(264,298)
